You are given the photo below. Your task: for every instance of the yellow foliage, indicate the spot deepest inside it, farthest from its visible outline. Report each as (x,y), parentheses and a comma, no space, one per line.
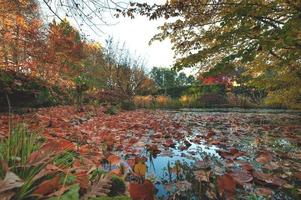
(186,100)
(162,100)
(143,101)
(140,169)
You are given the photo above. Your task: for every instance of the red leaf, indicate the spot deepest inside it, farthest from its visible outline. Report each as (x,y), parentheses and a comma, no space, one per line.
(143,191)
(226,185)
(48,186)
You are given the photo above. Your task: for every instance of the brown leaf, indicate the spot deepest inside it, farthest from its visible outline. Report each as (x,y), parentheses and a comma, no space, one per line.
(263,191)
(264,157)
(269,179)
(241,177)
(226,185)
(98,188)
(10,181)
(202,175)
(7,195)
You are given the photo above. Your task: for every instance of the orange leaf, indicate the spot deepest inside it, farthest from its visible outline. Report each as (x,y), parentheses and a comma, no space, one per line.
(113,159)
(82,178)
(48,186)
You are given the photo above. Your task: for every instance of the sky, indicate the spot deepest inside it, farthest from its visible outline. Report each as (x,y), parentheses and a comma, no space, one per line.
(135,33)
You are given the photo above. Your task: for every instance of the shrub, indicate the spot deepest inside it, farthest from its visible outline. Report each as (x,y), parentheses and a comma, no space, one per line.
(127,105)
(212,99)
(162,101)
(144,101)
(239,101)
(112,110)
(187,101)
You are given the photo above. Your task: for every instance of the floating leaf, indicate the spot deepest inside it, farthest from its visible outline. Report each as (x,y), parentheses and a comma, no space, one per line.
(143,191)
(140,169)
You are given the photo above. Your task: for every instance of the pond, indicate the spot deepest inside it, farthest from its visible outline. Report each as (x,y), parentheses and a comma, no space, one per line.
(256,151)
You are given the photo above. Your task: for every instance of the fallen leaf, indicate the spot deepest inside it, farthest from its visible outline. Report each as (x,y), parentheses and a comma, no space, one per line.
(143,191)
(226,185)
(263,191)
(264,157)
(11,181)
(113,159)
(202,175)
(241,177)
(140,169)
(82,178)
(269,179)
(48,186)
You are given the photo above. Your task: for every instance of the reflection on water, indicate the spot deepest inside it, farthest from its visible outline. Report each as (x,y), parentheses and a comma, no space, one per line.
(238,136)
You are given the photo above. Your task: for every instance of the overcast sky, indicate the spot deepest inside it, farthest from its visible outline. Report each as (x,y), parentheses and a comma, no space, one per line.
(135,33)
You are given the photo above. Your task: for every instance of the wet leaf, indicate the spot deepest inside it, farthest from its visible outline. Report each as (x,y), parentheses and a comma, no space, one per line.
(140,168)
(143,191)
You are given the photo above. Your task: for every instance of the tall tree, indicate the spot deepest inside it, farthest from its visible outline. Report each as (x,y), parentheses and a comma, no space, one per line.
(261,35)
(21,36)
(65,53)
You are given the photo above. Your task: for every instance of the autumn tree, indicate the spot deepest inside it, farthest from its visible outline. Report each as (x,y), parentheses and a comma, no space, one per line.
(262,36)
(21,36)
(65,52)
(124,72)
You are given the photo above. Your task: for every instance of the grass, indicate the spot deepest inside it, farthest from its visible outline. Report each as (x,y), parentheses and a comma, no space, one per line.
(16,149)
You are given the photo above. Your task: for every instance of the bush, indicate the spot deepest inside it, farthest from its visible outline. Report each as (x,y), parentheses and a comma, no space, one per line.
(212,99)
(144,101)
(162,101)
(239,101)
(112,110)
(127,105)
